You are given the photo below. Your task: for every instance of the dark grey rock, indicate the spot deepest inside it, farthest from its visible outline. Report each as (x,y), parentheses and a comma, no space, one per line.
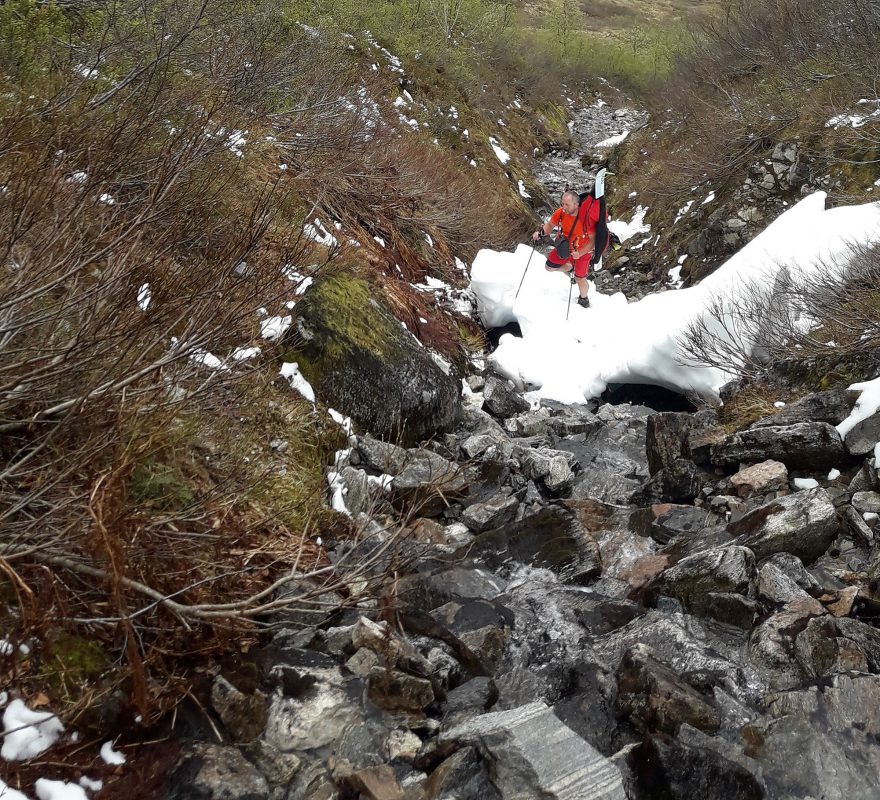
(493,513)
(776,587)
(243,714)
(655,698)
(863,436)
(803,524)
(866,502)
(500,398)
(693,579)
(668,769)
(677,482)
(397,691)
(805,445)
(667,439)
(682,520)
(535,755)
(213,772)
(365,364)
(831,406)
(552,538)
(462,775)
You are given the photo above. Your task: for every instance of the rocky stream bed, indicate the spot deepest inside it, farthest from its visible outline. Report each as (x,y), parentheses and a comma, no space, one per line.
(591,602)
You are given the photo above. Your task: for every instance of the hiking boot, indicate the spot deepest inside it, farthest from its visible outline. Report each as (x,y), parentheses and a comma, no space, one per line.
(584,302)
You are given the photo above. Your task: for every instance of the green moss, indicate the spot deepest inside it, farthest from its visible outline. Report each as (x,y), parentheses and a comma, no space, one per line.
(160,486)
(342,303)
(72,662)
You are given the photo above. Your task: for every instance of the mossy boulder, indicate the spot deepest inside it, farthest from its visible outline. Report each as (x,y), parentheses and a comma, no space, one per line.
(361,361)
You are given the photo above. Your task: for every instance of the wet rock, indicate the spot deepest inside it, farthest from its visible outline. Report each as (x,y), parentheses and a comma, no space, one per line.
(807,445)
(374,783)
(866,502)
(666,439)
(777,588)
(535,755)
(362,662)
(243,715)
(772,644)
(356,490)
(844,703)
(800,761)
(672,521)
(654,698)
(831,406)
(552,538)
(397,691)
(731,609)
(391,648)
(828,645)
(668,769)
(863,436)
(553,467)
(693,579)
(472,698)
(803,524)
(793,567)
(462,775)
(677,482)
(501,399)
(494,513)
(763,478)
(864,480)
(480,625)
(213,772)
(688,645)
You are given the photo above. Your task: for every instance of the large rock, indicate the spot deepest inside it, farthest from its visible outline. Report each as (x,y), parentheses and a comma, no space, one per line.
(863,436)
(805,445)
(667,439)
(677,482)
(552,538)
(768,476)
(500,398)
(719,570)
(803,524)
(831,406)
(669,769)
(534,755)
(361,361)
(655,698)
(212,772)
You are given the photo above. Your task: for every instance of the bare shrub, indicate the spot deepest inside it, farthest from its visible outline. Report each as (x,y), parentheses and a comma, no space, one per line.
(829,319)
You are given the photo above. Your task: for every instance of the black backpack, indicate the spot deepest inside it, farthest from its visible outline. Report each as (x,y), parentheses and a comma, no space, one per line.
(604,237)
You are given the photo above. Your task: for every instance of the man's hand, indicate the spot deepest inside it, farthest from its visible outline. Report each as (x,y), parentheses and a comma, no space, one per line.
(537,234)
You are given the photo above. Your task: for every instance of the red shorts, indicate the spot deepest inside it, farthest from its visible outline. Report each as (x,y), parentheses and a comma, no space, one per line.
(581,266)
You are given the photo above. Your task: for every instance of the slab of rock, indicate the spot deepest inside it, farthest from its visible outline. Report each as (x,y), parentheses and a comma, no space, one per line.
(462,775)
(866,502)
(654,698)
(777,588)
(671,521)
(666,439)
(768,476)
(807,446)
(863,436)
(535,755)
(495,512)
(397,691)
(723,569)
(552,538)
(665,767)
(501,399)
(677,482)
(831,406)
(212,772)
(803,524)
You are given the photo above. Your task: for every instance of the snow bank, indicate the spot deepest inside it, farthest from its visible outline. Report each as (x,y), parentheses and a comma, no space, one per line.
(613,341)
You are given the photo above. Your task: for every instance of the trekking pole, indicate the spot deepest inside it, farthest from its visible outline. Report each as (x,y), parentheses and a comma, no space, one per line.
(529,261)
(568,307)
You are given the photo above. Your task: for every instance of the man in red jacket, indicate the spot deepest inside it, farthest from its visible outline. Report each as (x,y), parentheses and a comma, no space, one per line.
(577,226)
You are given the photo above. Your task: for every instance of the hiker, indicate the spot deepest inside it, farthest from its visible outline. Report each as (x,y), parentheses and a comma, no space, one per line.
(575,244)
